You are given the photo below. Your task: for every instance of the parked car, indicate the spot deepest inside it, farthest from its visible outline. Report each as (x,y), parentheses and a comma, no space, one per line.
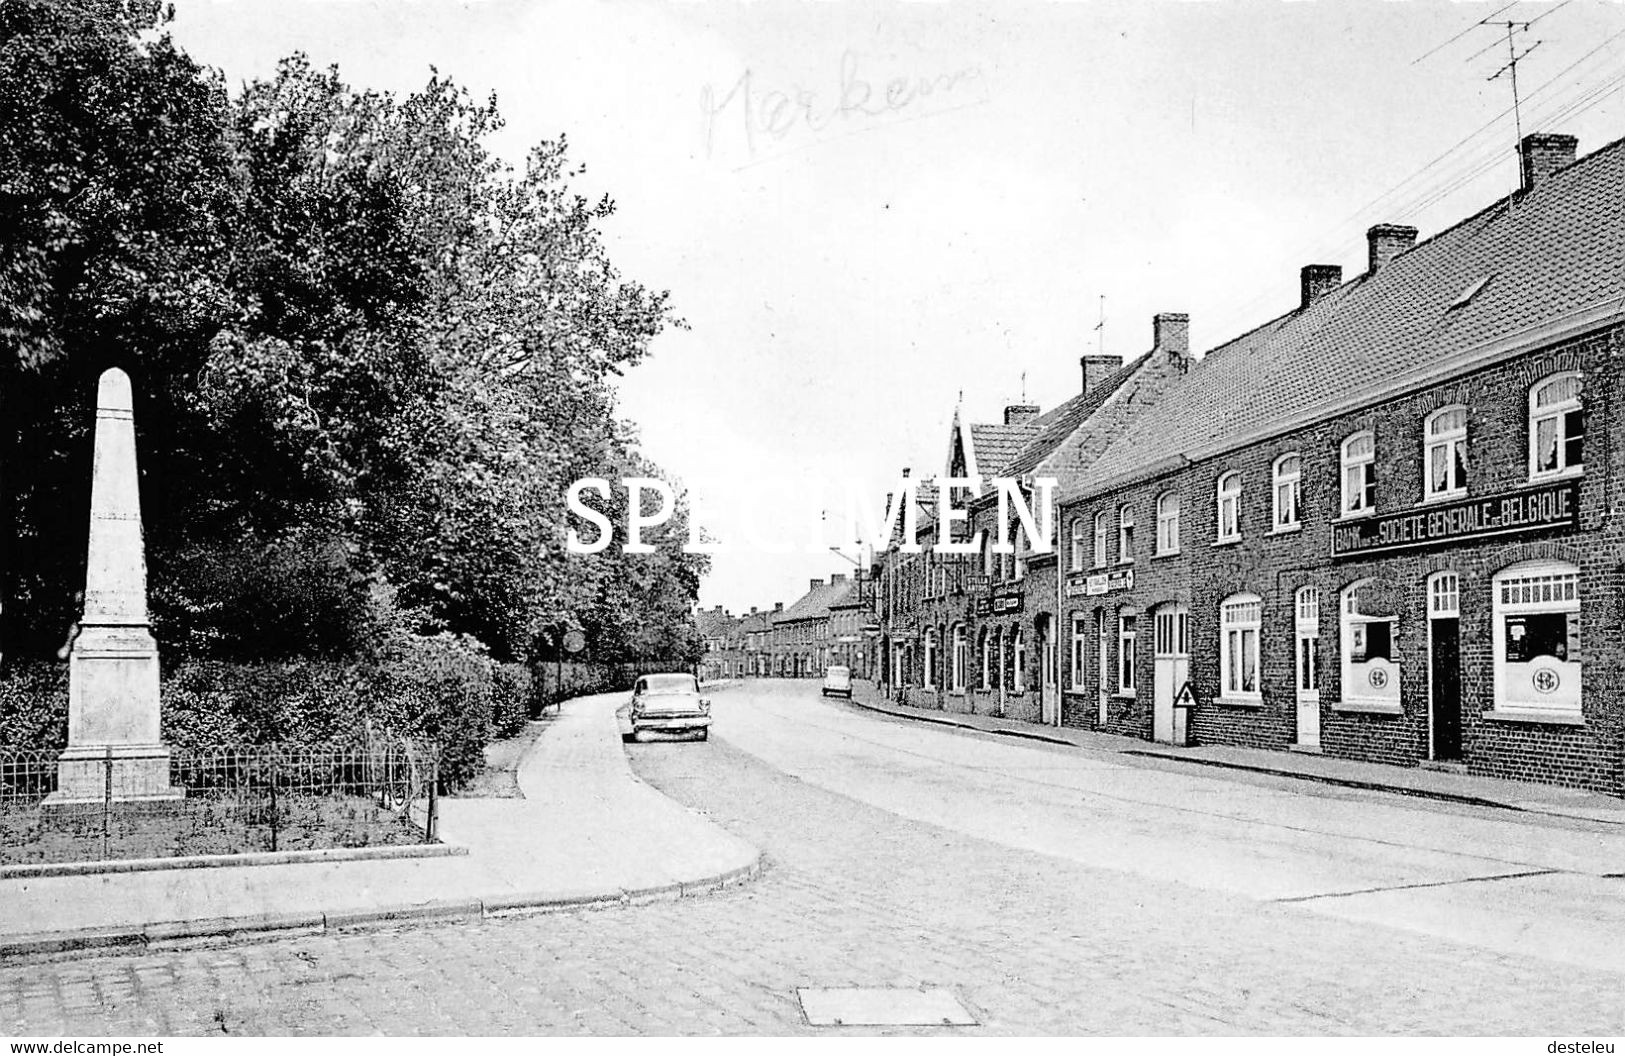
(670,703)
(838,680)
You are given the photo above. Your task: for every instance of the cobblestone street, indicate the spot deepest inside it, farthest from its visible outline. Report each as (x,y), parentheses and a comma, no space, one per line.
(852,895)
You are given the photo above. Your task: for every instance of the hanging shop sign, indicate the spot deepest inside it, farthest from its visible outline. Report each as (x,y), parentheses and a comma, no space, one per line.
(1100,583)
(1525,510)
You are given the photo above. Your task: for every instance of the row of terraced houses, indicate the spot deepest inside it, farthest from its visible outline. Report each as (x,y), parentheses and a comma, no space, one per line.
(1383,526)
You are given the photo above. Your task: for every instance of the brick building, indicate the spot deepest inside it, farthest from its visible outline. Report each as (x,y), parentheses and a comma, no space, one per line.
(1384,525)
(804,635)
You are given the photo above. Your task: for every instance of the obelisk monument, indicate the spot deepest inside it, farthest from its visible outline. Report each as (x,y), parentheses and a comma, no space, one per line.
(113,666)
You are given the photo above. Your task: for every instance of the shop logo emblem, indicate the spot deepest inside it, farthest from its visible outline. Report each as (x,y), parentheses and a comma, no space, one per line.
(1546,680)
(1377,677)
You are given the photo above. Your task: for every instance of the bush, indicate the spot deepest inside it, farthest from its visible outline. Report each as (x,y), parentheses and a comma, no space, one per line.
(34,705)
(512,693)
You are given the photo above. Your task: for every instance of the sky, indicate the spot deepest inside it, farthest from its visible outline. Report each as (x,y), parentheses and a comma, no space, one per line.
(869,214)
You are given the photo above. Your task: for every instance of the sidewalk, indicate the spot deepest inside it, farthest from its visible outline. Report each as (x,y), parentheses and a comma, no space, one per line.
(1444,785)
(587,832)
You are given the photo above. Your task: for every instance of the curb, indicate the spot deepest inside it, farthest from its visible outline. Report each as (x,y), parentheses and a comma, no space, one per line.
(136,938)
(1300,775)
(216,861)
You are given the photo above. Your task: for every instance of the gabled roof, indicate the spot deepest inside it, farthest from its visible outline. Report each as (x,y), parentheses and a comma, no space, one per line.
(755,622)
(815,603)
(996,444)
(714,624)
(1554,256)
(1063,421)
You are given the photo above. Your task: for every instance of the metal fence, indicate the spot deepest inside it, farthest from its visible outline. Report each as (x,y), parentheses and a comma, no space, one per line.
(225,800)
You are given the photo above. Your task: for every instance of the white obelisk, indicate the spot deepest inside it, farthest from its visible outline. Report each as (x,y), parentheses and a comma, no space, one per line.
(113,668)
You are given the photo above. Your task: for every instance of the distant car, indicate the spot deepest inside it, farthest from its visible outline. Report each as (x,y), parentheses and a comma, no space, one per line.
(670,704)
(838,680)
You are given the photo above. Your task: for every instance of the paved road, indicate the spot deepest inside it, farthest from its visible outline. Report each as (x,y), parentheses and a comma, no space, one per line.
(1053,890)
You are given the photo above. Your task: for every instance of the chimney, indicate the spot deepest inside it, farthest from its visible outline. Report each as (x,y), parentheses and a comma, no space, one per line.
(753,610)
(1386,242)
(1543,153)
(1171,334)
(1019,412)
(837,579)
(1317,280)
(1095,369)
(816,584)
(778,606)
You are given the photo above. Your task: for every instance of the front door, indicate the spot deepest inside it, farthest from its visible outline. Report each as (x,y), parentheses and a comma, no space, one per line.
(1101,666)
(1446,685)
(1048,693)
(1171,667)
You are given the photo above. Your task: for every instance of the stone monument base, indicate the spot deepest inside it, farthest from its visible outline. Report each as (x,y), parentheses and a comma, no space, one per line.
(140,773)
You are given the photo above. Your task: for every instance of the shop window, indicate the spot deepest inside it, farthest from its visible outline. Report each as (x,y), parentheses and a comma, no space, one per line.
(1307,625)
(1445,455)
(1126,634)
(1168,524)
(1359,474)
(1239,627)
(1556,427)
(1370,660)
(1287,492)
(1100,539)
(1536,639)
(1229,496)
(1125,534)
(1080,640)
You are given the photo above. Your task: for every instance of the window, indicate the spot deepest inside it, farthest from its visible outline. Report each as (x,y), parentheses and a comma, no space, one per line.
(1080,639)
(958,677)
(1536,639)
(1078,529)
(1557,427)
(995,642)
(1125,534)
(1100,539)
(1229,492)
(1308,628)
(1018,661)
(1287,474)
(1125,651)
(1359,474)
(1238,646)
(1444,596)
(1445,455)
(1370,666)
(930,679)
(1168,524)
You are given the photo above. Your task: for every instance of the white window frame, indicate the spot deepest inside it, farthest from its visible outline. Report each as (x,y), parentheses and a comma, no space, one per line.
(1080,533)
(1359,455)
(1444,433)
(1358,689)
(1100,540)
(1227,492)
(1080,643)
(1168,523)
(1287,480)
(1125,534)
(1537,588)
(1306,655)
(1241,626)
(1557,411)
(1127,635)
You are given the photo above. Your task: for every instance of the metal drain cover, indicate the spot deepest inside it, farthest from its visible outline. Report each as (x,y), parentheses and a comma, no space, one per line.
(866,1006)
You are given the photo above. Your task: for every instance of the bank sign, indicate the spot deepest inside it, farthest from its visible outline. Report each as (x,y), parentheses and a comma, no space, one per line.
(1527,510)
